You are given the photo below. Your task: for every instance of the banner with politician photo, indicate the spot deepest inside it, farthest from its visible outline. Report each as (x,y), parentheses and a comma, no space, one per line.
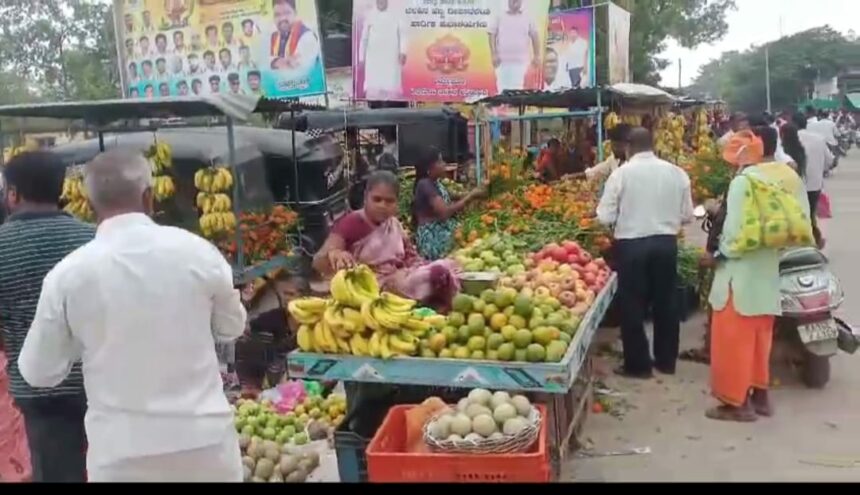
(447,51)
(569,62)
(619,45)
(201,47)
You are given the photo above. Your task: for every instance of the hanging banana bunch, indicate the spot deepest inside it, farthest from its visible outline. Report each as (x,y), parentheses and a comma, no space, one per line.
(161,159)
(215,206)
(611,121)
(75,197)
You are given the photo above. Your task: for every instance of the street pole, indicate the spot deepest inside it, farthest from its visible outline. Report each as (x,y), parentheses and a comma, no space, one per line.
(680,67)
(767,75)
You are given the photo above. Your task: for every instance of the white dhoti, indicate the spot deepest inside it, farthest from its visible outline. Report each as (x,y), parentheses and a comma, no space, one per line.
(382,46)
(221,463)
(511,75)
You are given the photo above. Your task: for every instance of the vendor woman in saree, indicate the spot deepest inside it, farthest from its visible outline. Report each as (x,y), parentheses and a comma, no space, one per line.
(373,236)
(745,293)
(433,208)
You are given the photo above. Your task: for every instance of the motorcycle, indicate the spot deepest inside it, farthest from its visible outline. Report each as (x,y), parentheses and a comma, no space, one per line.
(809,295)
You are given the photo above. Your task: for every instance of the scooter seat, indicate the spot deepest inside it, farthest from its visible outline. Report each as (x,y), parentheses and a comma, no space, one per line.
(801,258)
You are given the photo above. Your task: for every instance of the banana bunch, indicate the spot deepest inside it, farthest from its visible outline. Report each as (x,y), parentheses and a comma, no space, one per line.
(213,180)
(611,121)
(214,203)
(73,189)
(353,288)
(632,120)
(308,310)
(388,313)
(702,141)
(80,209)
(160,156)
(216,224)
(164,187)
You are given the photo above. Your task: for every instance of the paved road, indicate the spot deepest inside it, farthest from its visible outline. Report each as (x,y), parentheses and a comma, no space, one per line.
(812,433)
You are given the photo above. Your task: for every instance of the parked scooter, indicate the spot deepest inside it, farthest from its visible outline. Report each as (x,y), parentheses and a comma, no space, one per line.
(810,293)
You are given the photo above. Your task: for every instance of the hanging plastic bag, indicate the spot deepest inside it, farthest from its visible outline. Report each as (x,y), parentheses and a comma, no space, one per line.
(823,210)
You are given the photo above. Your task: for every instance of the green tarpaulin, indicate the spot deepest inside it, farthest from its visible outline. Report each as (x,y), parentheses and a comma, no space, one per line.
(853,101)
(822,104)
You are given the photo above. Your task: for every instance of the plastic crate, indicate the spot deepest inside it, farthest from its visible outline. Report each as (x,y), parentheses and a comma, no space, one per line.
(388,463)
(351,462)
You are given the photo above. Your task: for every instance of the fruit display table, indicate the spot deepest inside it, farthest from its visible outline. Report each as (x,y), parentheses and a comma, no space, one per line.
(555,381)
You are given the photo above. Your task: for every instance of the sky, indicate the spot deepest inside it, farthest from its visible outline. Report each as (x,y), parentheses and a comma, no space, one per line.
(759,21)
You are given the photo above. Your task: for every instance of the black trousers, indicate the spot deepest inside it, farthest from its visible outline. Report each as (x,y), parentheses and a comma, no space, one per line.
(814,196)
(648,277)
(58,442)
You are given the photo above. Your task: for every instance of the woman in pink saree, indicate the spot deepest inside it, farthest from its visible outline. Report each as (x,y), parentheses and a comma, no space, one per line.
(373,236)
(14,452)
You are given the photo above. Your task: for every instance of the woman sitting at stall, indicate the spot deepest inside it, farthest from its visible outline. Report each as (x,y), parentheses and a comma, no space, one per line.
(433,209)
(373,236)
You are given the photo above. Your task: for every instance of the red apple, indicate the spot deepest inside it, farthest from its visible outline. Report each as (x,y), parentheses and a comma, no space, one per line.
(559,254)
(600,262)
(590,278)
(571,247)
(592,268)
(585,258)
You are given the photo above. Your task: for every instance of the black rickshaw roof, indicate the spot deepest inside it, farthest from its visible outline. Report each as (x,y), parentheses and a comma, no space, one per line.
(337,120)
(105,112)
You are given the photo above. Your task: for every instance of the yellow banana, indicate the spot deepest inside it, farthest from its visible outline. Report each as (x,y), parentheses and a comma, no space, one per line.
(399,345)
(198,179)
(417,327)
(359,345)
(354,317)
(301,314)
(397,303)
(365,281)
(374,346)
(368,317)
(387,319)
(340,291)
(312,304)
(384,351)
(320,337)
(343,345)
(305,339)
(228,178)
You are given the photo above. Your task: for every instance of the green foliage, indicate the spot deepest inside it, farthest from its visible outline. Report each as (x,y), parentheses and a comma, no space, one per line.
(795,62)
(64,49)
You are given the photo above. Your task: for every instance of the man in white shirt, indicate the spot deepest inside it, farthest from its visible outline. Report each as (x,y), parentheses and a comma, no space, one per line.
(826,128)
(647,200)
(142,306)
(818,161)
(575,57)
(514,46)
(383,50)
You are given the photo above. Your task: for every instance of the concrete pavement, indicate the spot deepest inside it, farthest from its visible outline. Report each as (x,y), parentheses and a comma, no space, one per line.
(815,435)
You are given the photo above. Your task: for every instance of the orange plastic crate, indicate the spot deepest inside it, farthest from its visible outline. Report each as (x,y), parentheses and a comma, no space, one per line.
(388,463)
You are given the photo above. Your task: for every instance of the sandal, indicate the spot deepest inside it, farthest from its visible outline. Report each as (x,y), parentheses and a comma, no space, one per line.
(729,413)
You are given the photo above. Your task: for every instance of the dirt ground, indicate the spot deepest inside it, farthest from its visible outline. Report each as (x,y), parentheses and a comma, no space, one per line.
(815,435)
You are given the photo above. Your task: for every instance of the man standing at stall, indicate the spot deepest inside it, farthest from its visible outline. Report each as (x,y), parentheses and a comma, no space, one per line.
(143,306)
(647,201)
(34,239)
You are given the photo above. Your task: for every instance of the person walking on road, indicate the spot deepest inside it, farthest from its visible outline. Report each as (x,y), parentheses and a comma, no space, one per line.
(745,291)
(647,200)
(818,161)
(143,307)
(32,241)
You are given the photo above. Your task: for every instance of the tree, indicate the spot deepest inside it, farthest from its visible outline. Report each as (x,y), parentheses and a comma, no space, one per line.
(64,47)
(796,62)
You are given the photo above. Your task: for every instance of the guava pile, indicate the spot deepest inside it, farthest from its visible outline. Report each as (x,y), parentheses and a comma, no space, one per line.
(483,415)
(264,461)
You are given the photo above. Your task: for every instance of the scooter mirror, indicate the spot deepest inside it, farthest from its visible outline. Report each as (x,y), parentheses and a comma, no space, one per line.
(700,212)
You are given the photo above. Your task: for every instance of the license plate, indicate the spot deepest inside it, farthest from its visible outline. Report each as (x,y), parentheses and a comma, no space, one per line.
(819,331)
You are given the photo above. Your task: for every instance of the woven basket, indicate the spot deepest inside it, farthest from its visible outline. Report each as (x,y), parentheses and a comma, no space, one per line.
(509,444)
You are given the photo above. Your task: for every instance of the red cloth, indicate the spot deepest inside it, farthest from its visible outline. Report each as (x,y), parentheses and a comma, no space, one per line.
(740,354)
(353,227)
(14,452)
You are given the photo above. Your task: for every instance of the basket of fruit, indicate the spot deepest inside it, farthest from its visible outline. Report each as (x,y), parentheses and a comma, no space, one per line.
(485,423)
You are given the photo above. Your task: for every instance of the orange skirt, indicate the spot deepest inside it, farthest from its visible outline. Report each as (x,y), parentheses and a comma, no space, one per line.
(740,354)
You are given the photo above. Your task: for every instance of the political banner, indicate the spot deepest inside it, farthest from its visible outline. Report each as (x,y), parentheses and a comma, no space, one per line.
(203,47)
(569,62)
(619,45)
(447,50)
(339,94)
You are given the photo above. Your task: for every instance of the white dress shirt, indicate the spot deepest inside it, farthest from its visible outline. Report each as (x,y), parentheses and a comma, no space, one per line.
(825,128)
(818,159)
(603,169)
(646,197)
(142,306)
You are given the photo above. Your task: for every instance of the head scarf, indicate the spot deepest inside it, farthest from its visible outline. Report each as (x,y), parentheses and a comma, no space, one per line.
(744,148)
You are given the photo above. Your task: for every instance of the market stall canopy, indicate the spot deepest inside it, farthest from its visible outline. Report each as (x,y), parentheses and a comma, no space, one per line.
(821,104)
(853,100)
(334,120)
(622,93)
(102,113)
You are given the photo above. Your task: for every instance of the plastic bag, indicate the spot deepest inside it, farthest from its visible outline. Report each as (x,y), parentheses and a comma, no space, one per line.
(823,209)
(416,418)
(772,218)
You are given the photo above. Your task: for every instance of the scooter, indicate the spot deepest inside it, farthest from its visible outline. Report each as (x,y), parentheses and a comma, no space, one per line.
(810,293)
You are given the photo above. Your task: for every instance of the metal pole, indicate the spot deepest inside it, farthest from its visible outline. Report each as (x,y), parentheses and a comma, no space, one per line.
(767,75)
(680,68)
(478,148)
(237,186)
(599,126)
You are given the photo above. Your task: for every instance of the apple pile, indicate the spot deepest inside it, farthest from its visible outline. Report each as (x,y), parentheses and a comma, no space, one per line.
(564,271)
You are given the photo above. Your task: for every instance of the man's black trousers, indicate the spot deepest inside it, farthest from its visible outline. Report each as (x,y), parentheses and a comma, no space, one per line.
(648,277)
(57,439)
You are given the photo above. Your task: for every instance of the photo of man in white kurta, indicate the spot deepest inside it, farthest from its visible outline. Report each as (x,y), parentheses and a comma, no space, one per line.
(512,32)
(383,53)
